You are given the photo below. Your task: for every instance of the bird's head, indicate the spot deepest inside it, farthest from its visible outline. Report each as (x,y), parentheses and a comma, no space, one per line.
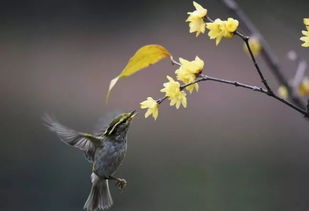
(120,124)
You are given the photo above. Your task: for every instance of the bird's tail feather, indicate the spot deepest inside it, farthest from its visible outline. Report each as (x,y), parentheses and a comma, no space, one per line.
(100,196)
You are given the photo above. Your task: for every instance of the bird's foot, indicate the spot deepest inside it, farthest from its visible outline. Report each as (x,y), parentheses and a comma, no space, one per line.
(121,183)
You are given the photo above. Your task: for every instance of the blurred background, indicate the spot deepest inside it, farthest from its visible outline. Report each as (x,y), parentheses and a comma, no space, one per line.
(231,149)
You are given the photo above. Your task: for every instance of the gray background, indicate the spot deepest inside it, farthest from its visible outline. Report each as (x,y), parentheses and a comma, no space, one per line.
(231,149)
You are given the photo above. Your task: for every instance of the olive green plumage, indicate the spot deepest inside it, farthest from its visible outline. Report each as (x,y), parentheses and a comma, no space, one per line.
(104,150)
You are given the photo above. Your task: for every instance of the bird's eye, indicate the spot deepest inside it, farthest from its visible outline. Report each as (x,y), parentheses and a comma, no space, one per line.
(124,122)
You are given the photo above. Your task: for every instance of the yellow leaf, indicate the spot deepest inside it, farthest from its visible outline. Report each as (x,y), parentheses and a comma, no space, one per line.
(145,56)
(111,85)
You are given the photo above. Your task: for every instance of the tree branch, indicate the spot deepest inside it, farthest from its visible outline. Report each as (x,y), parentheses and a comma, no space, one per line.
(268,56)
(254,88)
(246,40)
(203,77)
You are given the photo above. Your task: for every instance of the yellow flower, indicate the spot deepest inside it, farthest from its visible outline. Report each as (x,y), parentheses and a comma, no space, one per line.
(199,11)
(171,88)
(184,75)
(216,30)
(219,29)
(195,67)
(303,89)
(192,87)
(231,25)
(173,92)
(283,92)
(152,107)
(255,46)
(306,21)
(305,38)
(188,71)
(195,18)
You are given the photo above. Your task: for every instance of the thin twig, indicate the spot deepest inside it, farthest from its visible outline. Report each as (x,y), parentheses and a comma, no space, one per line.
(203,77)
(255,88)
(235,83)
(160,100)
(269,57)
(246,40)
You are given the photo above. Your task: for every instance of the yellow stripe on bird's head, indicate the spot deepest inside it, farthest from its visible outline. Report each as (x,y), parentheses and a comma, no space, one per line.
(121,119)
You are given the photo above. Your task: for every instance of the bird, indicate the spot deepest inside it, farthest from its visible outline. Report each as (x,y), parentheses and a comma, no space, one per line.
(105,150)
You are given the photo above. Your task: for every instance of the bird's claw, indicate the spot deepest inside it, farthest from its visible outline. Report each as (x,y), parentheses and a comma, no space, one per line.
(121,183)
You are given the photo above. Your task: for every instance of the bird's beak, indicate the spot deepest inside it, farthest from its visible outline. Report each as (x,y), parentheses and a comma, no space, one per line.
(132,114)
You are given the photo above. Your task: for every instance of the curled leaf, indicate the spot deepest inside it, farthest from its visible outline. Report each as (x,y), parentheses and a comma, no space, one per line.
(144,57)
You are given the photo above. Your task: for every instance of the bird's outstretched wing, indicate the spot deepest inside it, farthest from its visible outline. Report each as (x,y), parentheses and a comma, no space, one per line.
(83,141)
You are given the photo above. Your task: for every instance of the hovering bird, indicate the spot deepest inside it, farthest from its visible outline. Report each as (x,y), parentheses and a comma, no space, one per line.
(105,151)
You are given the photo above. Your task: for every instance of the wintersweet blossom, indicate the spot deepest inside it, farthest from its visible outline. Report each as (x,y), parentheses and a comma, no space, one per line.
(192,87)
(173,92)
(305,38)
(216,30)
(306,22)
(219,29)
(188,71)
(255,46)
(152,107)
(231,25)
(303,89)
(283,92)
(195,19)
